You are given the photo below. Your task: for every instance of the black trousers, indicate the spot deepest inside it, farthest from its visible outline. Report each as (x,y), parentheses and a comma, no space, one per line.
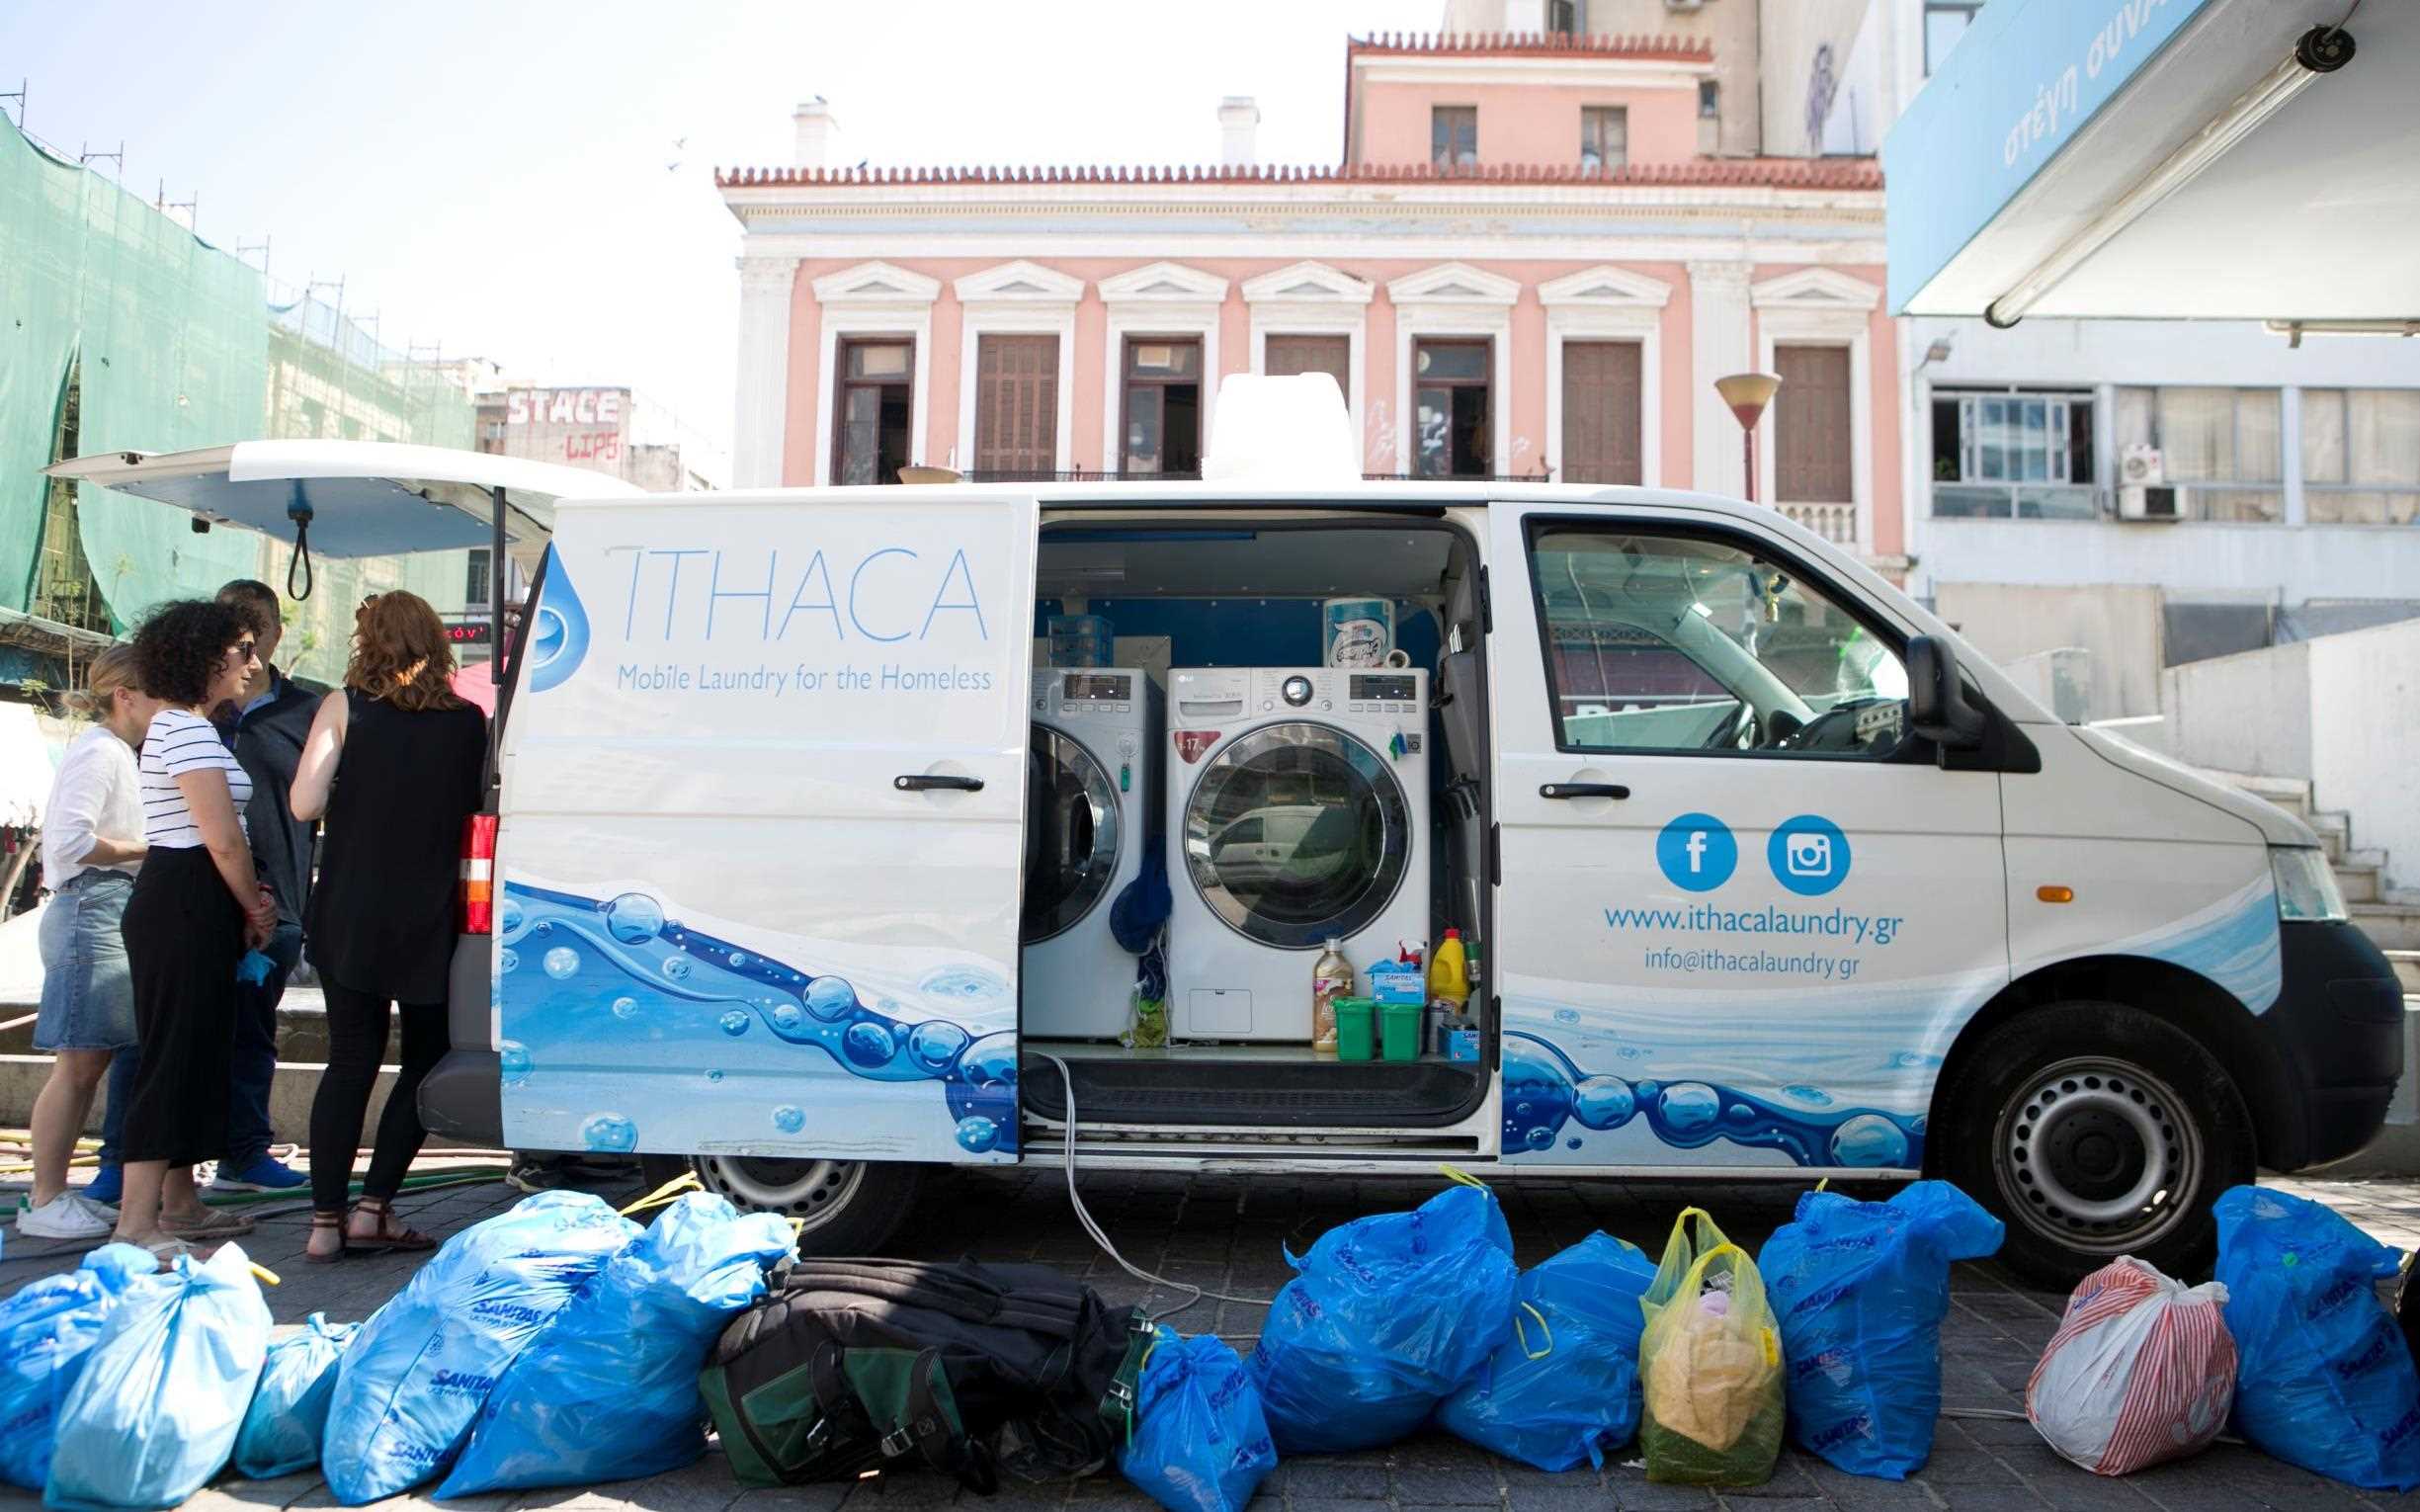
(184,934)
(356,1042)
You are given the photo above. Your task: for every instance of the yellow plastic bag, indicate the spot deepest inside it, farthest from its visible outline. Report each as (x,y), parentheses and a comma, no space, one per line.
(1711,1362)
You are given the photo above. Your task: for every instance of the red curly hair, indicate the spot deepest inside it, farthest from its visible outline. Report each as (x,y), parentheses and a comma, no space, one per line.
(400,653)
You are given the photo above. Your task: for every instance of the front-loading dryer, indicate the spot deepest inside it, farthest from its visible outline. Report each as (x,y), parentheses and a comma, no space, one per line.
(1092,793)
(1298,810)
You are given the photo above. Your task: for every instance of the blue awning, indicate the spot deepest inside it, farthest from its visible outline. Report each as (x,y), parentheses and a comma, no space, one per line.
(2163,158)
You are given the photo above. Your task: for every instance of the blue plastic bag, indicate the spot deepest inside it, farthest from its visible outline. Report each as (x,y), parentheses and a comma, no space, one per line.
(1563,1386)
(1201,1443)
(154,1413)
(288,1414)
(414,1379)
(1859,1291)
(1388,1314)
(2323,1379)
(610,1390)
(47,1327)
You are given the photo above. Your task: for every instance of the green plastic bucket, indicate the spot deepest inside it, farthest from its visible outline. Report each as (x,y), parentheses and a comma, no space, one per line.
(1354,1029)
(1399,1031)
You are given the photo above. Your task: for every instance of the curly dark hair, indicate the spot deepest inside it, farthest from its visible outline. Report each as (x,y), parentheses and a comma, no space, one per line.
(180,646)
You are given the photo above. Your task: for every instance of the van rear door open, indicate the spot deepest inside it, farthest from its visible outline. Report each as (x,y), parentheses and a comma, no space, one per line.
(762,829)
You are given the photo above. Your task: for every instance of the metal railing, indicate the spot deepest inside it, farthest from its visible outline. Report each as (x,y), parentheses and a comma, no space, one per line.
(1835,523)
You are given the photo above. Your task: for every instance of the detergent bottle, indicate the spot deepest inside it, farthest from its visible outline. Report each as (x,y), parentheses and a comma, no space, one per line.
(1449,972)
(1331,978)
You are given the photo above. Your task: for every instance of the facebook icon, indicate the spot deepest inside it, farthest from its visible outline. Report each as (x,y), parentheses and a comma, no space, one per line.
(1696,853)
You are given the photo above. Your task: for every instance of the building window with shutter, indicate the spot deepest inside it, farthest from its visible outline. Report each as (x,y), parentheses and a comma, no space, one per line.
(873,404)
(1331,354)
(2013,454)
(1601,412)
(1161,420)
(1453,399)
(1605,137)
(1016,407)
(2224,446)
(1811,423)
(2361,455)
(1453,135)
(1566,18)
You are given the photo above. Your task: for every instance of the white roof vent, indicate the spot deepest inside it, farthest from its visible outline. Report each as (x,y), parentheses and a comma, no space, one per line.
(1287,432)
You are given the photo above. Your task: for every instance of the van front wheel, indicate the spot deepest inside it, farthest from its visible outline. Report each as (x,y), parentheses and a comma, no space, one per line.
(2095,1131)
(843,1207)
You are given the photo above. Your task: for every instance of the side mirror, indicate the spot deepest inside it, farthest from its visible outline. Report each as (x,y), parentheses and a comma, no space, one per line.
(1938,707)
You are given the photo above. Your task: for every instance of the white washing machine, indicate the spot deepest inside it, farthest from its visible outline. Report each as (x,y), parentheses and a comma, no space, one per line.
(1298,809)
(1091,791)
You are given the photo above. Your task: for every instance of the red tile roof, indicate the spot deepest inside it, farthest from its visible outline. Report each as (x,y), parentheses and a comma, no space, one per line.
(1694,50)
(1846,173)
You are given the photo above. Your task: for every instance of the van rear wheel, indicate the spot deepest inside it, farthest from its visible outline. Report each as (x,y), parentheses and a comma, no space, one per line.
(2094,1130)
(843,1207)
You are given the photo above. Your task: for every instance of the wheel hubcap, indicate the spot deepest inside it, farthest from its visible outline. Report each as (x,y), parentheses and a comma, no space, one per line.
(2098,1155)
(812,1191)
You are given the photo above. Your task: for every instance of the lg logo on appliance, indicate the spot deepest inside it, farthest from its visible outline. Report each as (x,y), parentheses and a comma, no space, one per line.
(1808,855)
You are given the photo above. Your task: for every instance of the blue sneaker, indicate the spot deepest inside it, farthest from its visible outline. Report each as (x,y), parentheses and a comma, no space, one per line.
(264,1173)
(106,1187)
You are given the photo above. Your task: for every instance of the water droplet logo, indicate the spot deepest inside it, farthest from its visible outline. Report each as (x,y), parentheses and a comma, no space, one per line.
(558,629)
(1697,852)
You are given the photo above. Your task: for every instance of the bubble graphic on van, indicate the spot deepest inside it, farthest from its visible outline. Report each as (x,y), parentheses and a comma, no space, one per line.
(1545,1091)
(625,1007)
(511,916)
(562,961)
(789,1119)
(513,1057)
(609,1132)
(691,991)
(633,918)
(559,627)
(508,960)
(977,1133)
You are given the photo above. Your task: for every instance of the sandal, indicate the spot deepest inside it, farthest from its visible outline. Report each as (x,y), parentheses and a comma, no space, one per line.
(214,1223)
(329,1223)
(386,1239)
(169,1251)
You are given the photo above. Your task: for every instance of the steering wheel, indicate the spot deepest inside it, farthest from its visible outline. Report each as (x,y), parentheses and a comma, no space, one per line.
(1834,730)
(1737,732)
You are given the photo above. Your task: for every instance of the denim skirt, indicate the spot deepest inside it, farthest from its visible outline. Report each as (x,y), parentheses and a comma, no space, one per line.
(88,999)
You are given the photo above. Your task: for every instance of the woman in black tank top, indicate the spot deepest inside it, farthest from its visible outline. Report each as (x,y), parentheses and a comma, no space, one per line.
(395,762)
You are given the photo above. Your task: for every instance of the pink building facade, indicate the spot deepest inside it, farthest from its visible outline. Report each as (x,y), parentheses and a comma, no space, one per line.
(1525,268)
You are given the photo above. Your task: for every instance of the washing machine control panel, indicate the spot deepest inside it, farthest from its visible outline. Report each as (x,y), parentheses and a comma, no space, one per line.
(1072,692)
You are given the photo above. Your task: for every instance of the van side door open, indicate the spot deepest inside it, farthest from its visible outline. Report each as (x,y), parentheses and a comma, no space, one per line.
(1744,912)
(763,829)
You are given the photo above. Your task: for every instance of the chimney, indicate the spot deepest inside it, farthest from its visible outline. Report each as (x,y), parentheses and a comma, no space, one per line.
(1238,123)
(816,130)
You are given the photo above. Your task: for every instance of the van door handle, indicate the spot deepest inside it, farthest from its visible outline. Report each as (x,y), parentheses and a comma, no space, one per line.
(927,782)
(1583,790)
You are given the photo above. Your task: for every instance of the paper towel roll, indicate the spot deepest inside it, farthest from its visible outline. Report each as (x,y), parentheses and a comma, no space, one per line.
(1357,631)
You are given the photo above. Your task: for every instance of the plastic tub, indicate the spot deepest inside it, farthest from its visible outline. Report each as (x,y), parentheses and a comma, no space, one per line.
(1355,1032)
(1399,1031)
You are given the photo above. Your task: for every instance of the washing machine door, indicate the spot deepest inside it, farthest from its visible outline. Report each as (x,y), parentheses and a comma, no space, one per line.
(1071,835)
(1296,832)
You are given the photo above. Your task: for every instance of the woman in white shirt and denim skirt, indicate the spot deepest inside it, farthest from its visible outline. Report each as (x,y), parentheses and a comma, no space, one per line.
(197,905)
(92,844)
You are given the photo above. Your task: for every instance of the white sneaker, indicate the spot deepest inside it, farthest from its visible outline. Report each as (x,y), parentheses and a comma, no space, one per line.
(68,1216)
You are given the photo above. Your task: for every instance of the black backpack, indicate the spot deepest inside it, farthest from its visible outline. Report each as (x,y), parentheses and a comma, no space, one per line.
(850,1365)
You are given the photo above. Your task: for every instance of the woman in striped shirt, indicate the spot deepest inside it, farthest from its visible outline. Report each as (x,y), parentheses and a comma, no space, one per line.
(197,905)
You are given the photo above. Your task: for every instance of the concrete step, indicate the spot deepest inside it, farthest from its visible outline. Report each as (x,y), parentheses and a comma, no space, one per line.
(302,1029)
(2406,969)
(2394,926)
(2335,830)
(289,1096)
(2359,884)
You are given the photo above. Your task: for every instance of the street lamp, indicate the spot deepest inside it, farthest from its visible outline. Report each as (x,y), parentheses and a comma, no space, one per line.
(1747,393)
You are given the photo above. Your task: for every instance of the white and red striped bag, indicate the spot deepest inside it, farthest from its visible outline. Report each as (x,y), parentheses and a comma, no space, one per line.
(2142,1370)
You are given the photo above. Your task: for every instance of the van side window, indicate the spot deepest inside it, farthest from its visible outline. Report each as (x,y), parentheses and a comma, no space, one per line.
(1670,642)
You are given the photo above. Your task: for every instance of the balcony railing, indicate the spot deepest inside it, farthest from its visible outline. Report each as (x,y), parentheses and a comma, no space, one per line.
(1835,523)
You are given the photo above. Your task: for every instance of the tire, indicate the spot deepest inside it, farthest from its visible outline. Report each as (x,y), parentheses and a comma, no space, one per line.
(847,1206)
(2094,1130)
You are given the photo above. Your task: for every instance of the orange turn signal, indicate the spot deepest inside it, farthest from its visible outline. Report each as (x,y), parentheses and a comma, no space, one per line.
(2055,895)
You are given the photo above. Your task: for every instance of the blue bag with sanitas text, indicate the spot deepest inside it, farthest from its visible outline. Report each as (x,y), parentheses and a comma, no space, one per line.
(1201,1443)
(288,1414)
(2322,1378)
(1563,1386)
(1387,1315)
(155,1412)
(610,1390)
(414,1379)
(1859,1291)
(47,1327)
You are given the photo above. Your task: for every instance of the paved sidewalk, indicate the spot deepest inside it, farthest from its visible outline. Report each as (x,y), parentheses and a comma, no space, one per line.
(1225,1232)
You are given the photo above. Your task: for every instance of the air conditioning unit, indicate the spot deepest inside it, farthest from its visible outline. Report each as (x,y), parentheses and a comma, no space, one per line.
(2151,501)
(2140,465)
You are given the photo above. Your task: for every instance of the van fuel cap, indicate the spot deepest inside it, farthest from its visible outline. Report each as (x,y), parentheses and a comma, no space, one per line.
(1296,690)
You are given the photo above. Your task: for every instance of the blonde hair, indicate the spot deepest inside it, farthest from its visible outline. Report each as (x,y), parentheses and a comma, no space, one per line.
(104,676)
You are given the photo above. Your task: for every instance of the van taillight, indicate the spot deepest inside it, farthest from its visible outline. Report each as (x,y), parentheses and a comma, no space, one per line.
(478,874)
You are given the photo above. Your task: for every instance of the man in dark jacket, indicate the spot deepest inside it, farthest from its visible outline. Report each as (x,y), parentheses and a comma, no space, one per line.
(266,726)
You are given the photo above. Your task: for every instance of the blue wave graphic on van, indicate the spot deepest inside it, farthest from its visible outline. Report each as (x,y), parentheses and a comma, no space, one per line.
(559,627)
(2233,942)
(1545,1091)
(610,995)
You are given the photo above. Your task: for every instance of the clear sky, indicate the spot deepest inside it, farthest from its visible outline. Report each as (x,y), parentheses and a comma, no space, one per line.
(534,183)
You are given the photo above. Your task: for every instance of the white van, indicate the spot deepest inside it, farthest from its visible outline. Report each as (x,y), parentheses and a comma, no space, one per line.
(1766,872)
